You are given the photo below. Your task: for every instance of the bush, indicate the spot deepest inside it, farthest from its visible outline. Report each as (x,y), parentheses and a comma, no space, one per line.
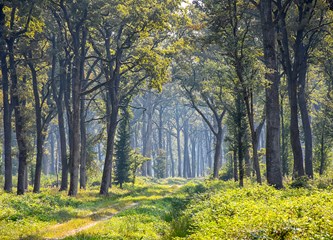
(258,212)
(301,182)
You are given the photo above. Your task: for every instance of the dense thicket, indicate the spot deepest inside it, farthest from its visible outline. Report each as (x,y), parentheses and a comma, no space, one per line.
(220,88)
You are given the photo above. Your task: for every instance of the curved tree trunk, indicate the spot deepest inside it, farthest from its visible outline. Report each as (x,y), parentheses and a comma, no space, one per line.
(106,178)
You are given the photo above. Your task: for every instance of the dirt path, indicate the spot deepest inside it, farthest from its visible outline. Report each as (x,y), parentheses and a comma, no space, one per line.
(87,225)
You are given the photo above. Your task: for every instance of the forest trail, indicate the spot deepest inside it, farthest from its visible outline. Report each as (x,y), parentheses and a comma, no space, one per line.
(92,220)
(81,223)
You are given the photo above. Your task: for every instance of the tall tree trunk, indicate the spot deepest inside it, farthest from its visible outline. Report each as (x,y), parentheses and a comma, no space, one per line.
(292,70)
(194,156)
(305,116)
(186,164)
(178,128)
(322,153)
(208,146)
(294,131)
(171,155)
(58,97)
(62,130)
(75,121)
(112,75)
(217,153)
(273,162)
(19,120)
(149,136)
(143,136)
(160,128)
(202,167)
(240,138)
(106,178)
(199,153)
(39,130)
(235,168)
(285,167)
(53,169)
(83,150)
(83,160)
(6,106)
(247,163)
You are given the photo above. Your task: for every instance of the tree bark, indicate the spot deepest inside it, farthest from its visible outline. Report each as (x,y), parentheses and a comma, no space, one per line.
(75,123)
(284,153)
(305,116)
(292,70)
(171,155)
(106,178)
(149,135)
(39,129)
(217,153)
(178,128)
(194,156)
(186,164)
(112,74)
(19,120)
(83,159)
(273,162)
(7,113)
(322,154)
(235,168)
(83,131)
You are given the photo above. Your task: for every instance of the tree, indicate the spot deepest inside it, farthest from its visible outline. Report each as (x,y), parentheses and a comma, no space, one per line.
(204,89)
(131,48)
(123,150)
(7,112)
(75,16)
(230,24)
(273,158)
(160,164)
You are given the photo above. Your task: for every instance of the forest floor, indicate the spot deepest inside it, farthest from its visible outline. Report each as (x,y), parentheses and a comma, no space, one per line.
(54,215)
(174,209)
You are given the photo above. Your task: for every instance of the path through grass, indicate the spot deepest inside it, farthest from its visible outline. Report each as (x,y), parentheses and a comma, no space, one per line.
(53,215)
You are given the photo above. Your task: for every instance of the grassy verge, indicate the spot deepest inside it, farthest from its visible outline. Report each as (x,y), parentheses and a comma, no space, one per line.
(225,211)
(51,214)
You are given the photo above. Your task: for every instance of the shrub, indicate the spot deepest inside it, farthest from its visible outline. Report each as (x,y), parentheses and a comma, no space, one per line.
(301,182)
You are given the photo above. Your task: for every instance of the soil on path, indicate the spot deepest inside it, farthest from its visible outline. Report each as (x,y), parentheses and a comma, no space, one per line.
(93,219)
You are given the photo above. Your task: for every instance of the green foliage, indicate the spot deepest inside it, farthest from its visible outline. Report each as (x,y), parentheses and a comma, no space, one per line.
(226,172)
(225,211)
(137,159)
(123,150)
(300,182)
(160,164)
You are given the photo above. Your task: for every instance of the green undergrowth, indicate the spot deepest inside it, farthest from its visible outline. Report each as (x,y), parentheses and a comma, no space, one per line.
(303,210)
(154,218)
(176,209)
(32,216)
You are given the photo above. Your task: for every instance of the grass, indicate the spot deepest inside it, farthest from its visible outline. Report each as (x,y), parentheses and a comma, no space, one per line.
(225,211)
(51,214)
(197,210)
